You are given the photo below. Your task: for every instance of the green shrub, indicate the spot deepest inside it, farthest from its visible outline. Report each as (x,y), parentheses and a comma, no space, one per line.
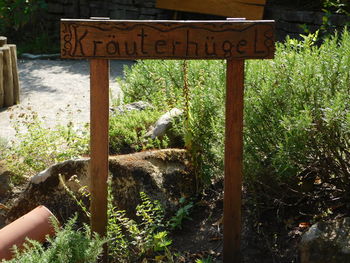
(162,84)
(127,131)
(296,109)
(70,246)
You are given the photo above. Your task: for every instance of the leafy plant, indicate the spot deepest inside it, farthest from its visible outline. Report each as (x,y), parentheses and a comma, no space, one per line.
(296,112)
(15,14)
(69,245)
(196,87)
(131,241)
(204,260)
(337,6)
(37,147)
(181,214)
(127,131)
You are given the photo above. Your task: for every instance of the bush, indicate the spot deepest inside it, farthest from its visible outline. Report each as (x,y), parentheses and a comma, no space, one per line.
(162,84)
(296,109)
(298,112)
(127,132)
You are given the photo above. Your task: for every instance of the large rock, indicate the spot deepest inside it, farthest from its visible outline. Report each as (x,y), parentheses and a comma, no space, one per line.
(46,189)
(164,123)
(326,242)
(164,175)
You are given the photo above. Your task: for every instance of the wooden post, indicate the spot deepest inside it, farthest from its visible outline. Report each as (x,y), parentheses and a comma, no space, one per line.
(233,160)
(99,113)
(13,52)
(8,77)
(1,80)
(3,41)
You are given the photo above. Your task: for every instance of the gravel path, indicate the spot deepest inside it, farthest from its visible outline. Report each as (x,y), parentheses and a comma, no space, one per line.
(58,90)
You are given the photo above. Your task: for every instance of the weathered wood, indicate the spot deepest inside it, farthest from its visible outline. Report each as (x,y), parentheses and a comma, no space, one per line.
(1,80)
(99,94)
(3,41)
(251,9)
(16,89)
(7,77)
(167,39)
(233,160)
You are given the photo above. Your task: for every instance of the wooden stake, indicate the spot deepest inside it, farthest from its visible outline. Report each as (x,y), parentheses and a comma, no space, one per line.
(233,160)
(99,99)
(3,41)
(1,80)
(13,52)
(8,77)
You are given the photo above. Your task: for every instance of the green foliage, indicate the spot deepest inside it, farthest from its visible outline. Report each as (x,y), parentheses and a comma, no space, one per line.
(15,14)
(329,8)
(162,84)
(37,147)
(70,245)
(297,111)
(127,131)
(337,6)
(181,214)
(204,260)
(296,108)
(130,241)
(22,22)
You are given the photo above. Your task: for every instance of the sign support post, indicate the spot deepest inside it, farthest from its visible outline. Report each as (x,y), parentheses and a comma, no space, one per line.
(233,160)
(99,103)
(233,40)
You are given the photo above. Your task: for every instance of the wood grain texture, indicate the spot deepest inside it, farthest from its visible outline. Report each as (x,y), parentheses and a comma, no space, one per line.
(115,39)
(7,76)
(250,9)
(3,41)
(1,80)
(233,160)
(16,89)
(99,98)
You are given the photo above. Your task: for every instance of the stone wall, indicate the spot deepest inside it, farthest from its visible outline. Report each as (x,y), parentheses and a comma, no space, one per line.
(292,22)
(114,9)
(288,22)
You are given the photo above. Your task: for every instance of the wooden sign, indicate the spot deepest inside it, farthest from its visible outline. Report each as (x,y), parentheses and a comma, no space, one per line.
(250,9)
(167,39)
(101,40)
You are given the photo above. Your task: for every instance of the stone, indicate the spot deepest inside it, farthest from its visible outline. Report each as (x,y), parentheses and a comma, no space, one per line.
(139,106)
(164,123)
(46,189)
(164,175)
(326,242)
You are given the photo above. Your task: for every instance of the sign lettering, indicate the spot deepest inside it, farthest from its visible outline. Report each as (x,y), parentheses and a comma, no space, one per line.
(167,39)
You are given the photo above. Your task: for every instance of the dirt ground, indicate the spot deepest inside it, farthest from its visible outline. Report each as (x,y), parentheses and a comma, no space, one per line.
(58,90)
